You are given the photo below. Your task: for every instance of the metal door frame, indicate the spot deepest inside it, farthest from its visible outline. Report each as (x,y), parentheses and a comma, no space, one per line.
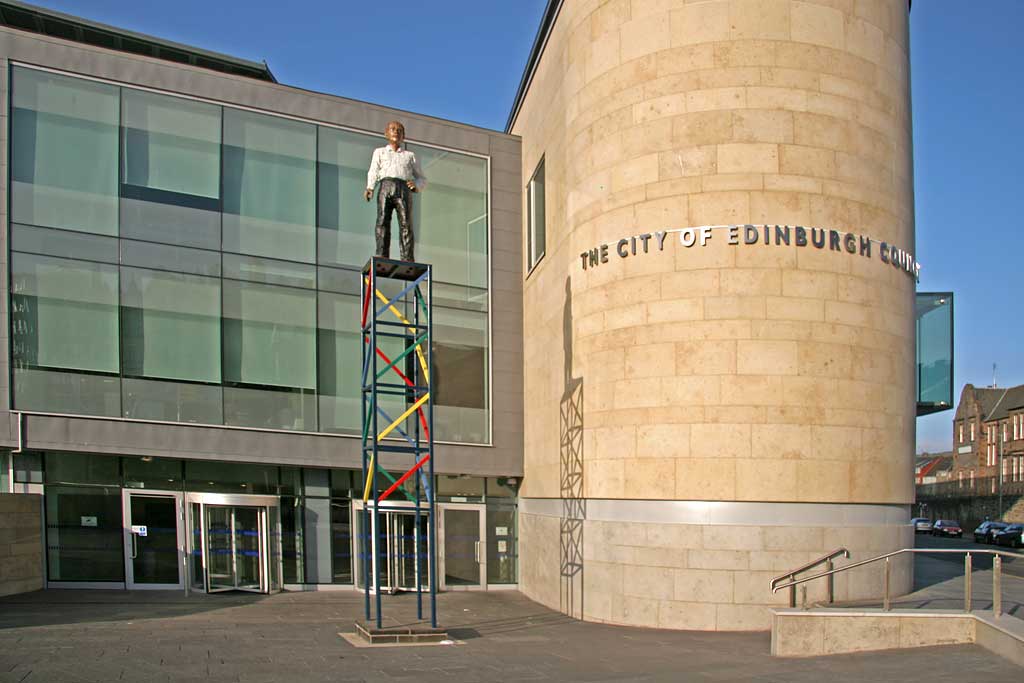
(265,506)
(480,550)
(129,538)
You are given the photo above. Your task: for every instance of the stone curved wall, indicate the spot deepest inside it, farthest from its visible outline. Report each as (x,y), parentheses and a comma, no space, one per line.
(739,373)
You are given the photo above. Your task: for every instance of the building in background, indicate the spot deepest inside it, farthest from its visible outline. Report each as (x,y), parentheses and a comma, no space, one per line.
(988,437)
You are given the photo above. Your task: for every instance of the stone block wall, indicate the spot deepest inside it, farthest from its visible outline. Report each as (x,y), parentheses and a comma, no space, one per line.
(21,544)
(732,373)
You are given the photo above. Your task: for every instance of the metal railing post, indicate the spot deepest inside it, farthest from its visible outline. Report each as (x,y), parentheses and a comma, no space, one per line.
(967,582)
(831,583)
(792,592)
(885,599)
(997,585)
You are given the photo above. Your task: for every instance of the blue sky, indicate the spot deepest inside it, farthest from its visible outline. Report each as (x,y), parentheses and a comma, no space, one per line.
(462,60)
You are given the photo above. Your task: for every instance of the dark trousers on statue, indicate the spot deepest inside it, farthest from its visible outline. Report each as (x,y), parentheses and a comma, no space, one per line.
(394,196)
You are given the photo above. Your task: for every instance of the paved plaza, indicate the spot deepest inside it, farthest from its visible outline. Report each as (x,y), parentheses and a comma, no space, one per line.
(63,635)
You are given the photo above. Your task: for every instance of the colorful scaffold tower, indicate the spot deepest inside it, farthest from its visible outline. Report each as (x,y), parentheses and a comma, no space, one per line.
(400,320)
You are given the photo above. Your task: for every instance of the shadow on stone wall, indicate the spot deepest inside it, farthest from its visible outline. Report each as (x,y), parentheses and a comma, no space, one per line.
(574,505)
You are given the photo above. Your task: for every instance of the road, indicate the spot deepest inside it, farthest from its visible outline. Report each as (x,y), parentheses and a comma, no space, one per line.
(1013,567)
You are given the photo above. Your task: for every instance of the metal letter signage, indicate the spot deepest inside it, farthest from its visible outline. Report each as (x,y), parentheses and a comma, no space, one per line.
(751,236)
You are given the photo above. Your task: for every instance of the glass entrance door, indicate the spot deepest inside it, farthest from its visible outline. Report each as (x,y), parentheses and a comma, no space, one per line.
(464,559)
(402,539)
(397,555)
(154,540)
(234,543)
(234,548)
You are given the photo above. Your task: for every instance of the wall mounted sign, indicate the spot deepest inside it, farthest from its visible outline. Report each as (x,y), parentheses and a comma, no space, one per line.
(754,235)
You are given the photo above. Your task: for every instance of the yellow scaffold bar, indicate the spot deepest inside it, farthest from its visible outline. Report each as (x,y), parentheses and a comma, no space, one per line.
(400,418)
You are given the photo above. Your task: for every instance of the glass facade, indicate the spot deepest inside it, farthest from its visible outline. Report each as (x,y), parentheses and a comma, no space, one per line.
(934,312)
(84,518)
(182,261)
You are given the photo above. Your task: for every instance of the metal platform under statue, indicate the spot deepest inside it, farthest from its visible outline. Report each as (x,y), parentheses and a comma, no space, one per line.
(398,426)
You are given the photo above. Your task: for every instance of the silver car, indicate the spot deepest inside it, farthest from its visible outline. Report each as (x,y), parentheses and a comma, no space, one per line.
(922,525)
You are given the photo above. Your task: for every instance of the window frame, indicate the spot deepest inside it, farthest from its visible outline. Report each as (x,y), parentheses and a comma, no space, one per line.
(533,256)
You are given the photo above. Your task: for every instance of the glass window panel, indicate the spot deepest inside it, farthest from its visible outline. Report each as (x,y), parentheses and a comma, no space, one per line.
(344,481)
(345,219)
(28,467)
(291,540)
(316,482)
(535,207)
(341,541)
(269,335)
(934,351)
(459,485)
(63,243)
(167,257)
(5,473)
(269,186)
(317,536)
(340,363)
(146,399)
(460,296)
(227,477)
(67,392)
(152,473)
(499,487)
(189,226)
(269,271)
(460,375)
(170,325)
(291,481)
(450,216)
(84,534)
(502,542)
(82,468)
(171,170)
(338,280)
(270,408)
(64,313)
(171,144)
(64,152)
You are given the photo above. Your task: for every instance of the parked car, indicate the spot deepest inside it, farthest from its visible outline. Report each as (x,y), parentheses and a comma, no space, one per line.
(986,530)
(1010,536)
(947,527)
(922,525)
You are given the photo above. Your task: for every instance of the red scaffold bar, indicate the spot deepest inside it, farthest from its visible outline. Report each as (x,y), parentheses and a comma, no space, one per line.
(401,479)
(366,299)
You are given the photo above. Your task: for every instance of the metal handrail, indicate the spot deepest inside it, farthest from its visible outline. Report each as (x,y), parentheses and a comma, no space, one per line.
(997,571)
(824,559)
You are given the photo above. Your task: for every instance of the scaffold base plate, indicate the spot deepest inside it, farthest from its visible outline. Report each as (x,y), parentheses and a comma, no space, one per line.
(397,635)
(395,269)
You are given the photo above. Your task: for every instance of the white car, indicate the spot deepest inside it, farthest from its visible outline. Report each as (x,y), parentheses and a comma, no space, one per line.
(922,525)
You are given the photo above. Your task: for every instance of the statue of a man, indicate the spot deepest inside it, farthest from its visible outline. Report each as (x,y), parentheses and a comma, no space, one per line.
(399,174)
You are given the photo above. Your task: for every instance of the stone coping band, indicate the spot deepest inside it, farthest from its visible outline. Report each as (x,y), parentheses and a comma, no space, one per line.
(723,512)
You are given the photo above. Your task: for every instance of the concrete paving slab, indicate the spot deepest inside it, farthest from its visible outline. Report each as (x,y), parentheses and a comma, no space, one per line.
(109,635)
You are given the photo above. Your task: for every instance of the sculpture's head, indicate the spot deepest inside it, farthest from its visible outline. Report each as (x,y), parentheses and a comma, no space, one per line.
(394,132)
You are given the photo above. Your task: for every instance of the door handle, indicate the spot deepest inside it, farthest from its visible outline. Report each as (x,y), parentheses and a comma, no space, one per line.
(476,550)
(135,548)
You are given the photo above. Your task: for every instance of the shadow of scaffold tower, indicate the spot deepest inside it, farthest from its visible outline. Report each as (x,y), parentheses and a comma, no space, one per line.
(396,312)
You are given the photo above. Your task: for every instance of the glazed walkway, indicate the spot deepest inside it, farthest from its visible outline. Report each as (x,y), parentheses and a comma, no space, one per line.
(105,636)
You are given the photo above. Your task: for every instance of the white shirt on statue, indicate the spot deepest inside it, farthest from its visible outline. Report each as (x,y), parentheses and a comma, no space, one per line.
(389,163)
